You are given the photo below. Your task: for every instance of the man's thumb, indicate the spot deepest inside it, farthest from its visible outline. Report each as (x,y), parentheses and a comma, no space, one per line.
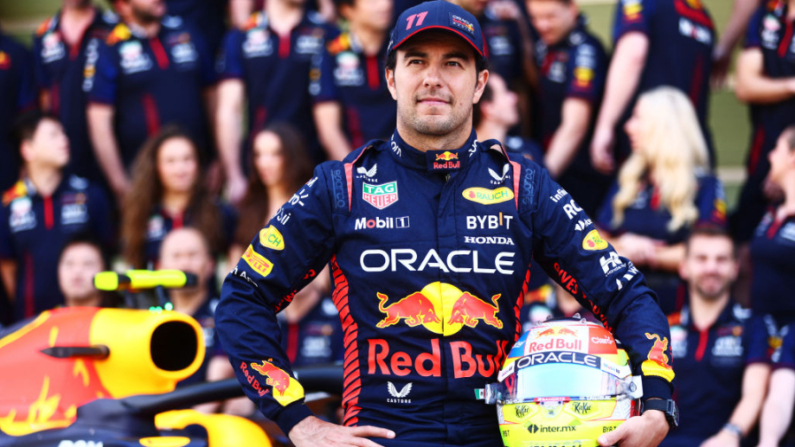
(611,438)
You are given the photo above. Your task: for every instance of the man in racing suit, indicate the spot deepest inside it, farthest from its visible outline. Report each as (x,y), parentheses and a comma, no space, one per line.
(430,237)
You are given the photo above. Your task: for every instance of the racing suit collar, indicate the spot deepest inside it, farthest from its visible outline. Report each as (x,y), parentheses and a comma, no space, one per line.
(443,161)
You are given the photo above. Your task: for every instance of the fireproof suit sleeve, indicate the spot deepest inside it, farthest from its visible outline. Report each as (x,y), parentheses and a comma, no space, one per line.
(282,258)
(591,270)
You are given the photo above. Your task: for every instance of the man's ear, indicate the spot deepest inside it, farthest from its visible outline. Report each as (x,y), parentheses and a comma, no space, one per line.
(390,82)
(683,271)
(26,151)
(483,78)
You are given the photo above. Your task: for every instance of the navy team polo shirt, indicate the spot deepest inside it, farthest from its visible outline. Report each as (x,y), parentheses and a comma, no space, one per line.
(503,43)
(17,94)
(771,32)
(575,67)
(60,70)
(681,37)
(346,75)
(33,230)
(709,366)
(773,264)
(152,82)
(276,72)
(647,217)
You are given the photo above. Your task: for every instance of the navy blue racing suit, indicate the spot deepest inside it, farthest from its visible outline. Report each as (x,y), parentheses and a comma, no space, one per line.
(430,254)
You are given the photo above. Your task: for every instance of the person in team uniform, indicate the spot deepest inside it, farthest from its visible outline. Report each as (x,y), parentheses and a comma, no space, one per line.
(170,193)
(773,244)
(572,66)
(663,191)
(152,70)
(267,65)
(656,42)
(62,45)
(17,94)
(720,351)
(41,212)
(352,104)
(80,259)
(312,332)
(204,16)
(765,80)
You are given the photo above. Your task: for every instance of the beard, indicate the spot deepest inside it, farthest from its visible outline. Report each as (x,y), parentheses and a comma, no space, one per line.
(145,16)
(711,293)
(433,125)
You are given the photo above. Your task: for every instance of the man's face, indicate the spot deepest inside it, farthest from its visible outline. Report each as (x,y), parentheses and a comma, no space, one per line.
(185,249)
(76,4)
(373,14)
(48,146)
(76,269)
(147,11)
(474,7)
(709,266)
(435,83)
(553,19)
(502,107)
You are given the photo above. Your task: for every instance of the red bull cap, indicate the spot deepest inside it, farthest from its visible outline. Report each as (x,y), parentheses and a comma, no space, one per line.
(437,14)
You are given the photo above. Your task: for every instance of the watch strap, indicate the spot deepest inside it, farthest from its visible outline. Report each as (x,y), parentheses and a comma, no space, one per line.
(667,406)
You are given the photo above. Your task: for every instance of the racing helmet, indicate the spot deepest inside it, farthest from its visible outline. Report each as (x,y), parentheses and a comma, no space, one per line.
(564,383)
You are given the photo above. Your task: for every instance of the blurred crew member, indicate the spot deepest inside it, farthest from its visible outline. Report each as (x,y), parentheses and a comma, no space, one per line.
(351,102)
(17,94)
(82,258)
(656,42)
(572,66)
(773,243)
(266,68)
(152,71)
(206,17)
(62,48)
(170,194)
(720,352)
(776,427)
(735,29)
(663,191)
(765,80)
(41,212)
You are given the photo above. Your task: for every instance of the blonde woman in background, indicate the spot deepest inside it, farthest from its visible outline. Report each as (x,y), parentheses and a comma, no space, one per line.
(664,189)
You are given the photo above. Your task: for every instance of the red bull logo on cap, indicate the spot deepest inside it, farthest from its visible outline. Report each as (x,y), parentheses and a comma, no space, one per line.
(441,308)
(286,390)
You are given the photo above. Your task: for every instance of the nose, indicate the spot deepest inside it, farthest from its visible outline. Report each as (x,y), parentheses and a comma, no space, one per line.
(432,76)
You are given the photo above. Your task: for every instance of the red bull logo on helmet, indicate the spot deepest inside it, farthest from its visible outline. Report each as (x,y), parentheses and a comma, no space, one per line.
(286,390)
(441,308)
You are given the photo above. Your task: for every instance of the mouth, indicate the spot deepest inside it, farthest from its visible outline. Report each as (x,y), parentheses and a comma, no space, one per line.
(433,101)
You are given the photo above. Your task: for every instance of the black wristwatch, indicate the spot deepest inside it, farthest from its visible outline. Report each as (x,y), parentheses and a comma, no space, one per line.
(668,407)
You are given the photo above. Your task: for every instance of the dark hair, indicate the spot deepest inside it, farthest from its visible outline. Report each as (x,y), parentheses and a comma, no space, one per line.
(477,113)
(147,191)
(25,127)
(297,171)
(709,230)
(108,299)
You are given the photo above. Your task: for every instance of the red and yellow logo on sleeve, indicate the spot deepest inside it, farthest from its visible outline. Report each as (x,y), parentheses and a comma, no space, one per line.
(656,363)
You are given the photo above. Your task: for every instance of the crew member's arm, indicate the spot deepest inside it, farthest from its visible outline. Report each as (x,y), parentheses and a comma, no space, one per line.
(8,272)
(590,269)
(777,411)
(568,137)
(328,119)
(240,11)
(264,281)
(721,56)
(752,84)
(230,96)
(101,84)
(623,78)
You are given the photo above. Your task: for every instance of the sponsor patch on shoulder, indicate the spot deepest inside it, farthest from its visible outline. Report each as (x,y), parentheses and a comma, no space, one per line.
(257,262)
(593,241)
(271,238)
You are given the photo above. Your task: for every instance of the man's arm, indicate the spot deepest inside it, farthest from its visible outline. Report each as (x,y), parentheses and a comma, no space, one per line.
(8,271)
(106,148)
(777,411)
(328,119)
(752,84)
(746,412)
(264,281)
(228,125)
(240,11)
(568,137)
(721,56)
(590,269)
(623,78)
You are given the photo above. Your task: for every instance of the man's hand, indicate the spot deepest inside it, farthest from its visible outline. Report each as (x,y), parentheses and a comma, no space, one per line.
(647,430)
(602,150)
(641,250)
(722,438)
(313,432)
(236,186)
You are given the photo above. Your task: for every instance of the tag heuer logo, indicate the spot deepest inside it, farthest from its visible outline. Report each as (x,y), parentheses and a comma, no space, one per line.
(380,196)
